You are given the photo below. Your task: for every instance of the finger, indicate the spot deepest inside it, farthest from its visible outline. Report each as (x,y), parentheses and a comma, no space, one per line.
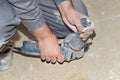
(48,59)
(86,34)
(80,28)
(69,25)
(84,39)
(43,58)
(53,60)
(88,29)
(60,59)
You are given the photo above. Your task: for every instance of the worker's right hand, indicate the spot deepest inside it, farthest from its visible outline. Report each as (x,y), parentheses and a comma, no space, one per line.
(48,45)
(50,50)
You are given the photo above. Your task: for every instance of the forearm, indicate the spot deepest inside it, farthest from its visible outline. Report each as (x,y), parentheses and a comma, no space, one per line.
(42,33)
(64,6)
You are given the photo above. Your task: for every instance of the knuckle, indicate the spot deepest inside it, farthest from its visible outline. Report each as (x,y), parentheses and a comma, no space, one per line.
(90,32)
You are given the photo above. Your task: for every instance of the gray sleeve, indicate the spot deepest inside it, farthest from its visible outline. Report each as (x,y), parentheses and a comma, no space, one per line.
(29,13)
(58,1)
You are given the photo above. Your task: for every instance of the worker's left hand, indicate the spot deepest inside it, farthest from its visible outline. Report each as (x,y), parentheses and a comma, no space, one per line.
(72,18)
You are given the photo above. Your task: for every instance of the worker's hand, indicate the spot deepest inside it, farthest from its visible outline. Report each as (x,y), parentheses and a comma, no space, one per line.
(50,50)
(48,45)
(72,18)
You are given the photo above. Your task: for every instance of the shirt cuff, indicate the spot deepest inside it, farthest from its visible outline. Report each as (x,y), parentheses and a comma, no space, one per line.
(58,1)
(33,25)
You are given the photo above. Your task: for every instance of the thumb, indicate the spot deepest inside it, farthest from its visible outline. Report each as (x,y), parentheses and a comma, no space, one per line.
(70,25)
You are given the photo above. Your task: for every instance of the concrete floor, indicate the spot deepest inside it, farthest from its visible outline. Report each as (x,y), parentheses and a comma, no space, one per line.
(101,62)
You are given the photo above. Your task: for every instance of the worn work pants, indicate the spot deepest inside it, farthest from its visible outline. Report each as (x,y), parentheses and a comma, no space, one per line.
(53,18)
(49,11)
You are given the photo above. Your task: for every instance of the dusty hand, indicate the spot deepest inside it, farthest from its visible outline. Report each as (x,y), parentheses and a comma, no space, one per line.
(48,45)
(72,18)
(50,50)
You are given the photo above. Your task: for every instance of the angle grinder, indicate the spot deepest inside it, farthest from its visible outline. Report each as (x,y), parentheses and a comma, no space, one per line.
(72,47)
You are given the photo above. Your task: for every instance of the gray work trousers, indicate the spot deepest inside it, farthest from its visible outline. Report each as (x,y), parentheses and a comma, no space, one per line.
(50,13)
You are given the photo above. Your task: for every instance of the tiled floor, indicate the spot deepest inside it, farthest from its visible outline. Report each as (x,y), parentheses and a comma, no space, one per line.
(101,62)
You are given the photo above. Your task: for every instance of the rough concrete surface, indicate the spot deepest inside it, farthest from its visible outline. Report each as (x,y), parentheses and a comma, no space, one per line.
(101,62)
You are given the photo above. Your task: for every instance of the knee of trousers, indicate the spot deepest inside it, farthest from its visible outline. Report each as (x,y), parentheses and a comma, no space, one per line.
(2,46)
